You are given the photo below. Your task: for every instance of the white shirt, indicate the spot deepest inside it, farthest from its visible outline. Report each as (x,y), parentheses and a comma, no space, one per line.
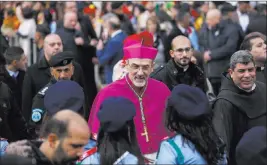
(12,73)
(243,20)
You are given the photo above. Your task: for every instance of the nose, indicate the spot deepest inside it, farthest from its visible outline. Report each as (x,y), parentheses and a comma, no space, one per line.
(246,74)
(80,152)
(62,75)
(140,71)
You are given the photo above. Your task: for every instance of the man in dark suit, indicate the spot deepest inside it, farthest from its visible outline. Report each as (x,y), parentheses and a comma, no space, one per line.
(16,63)
(218,40)
(38,75)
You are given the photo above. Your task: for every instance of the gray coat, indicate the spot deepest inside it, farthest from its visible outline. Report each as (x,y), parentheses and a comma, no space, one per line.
(222,41)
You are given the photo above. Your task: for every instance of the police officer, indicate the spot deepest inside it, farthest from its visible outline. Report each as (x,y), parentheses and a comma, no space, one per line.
(116,142)
(64,94)
(61,68)
(180,69)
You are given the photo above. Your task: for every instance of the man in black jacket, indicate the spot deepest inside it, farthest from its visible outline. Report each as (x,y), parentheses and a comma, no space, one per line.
(16,64)
(64,136)
(241,103)
(38,75)
(61,69)
(180,69)
(12,124)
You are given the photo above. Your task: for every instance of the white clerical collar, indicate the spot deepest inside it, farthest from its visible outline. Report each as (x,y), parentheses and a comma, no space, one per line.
(252,89)
(12,73)
(115,33)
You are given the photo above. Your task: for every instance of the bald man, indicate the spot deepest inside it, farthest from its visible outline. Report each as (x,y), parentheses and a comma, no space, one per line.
(63,138)
(218,40)
(38,75)
(180,69)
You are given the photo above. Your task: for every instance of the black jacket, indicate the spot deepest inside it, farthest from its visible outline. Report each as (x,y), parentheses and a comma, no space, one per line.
(236,111)
(12,124)
(34,153)
(171,75)
(16,85)
(222,41)
(37,76)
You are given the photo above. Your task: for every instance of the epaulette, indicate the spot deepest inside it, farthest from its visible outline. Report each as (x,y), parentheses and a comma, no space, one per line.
(157,70)
(87,153)
(42,92)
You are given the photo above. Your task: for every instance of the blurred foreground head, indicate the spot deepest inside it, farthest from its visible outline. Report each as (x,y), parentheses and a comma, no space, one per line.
(65,135)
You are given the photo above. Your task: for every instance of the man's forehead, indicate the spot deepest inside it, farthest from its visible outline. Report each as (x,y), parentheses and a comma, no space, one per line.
(53,39)
(181,42)
(138,61)
(244,66)
(256,40)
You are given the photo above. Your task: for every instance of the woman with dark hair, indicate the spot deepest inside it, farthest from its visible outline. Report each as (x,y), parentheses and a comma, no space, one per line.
(196,142)
(116,142)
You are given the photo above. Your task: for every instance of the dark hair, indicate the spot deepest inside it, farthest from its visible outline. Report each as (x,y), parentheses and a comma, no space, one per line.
(246,44)
(200,132)
(43,30)
(181,15)
(113,145)
(27,13)
(13,53)
(53,125)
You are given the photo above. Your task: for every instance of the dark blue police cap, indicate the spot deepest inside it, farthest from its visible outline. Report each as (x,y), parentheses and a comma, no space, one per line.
(115,112)
(252,148)
(61,59)
(189,102)
(64,94)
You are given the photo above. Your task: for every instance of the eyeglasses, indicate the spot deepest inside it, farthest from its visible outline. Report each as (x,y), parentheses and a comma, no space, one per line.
(181,50)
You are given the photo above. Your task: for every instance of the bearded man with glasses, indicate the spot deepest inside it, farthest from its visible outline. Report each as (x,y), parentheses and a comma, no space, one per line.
(180,69)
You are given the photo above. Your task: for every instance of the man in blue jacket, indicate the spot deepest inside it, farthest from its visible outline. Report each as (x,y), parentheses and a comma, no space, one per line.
(111,53)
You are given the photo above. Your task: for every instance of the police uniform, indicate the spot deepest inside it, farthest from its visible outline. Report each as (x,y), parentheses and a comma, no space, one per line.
(64,94)
(252,147)
(38,107)
(108,113)
(192,104)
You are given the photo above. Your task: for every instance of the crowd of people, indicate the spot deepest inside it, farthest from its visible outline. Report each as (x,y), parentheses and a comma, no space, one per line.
(137,82)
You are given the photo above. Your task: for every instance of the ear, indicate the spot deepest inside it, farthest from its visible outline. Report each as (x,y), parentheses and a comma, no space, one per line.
(52,140)
(153,65)
(171,53)
(14,62)
(230,71)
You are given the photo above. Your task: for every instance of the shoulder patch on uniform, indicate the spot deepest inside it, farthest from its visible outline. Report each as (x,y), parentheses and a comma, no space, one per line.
(42,92)
(36,115)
